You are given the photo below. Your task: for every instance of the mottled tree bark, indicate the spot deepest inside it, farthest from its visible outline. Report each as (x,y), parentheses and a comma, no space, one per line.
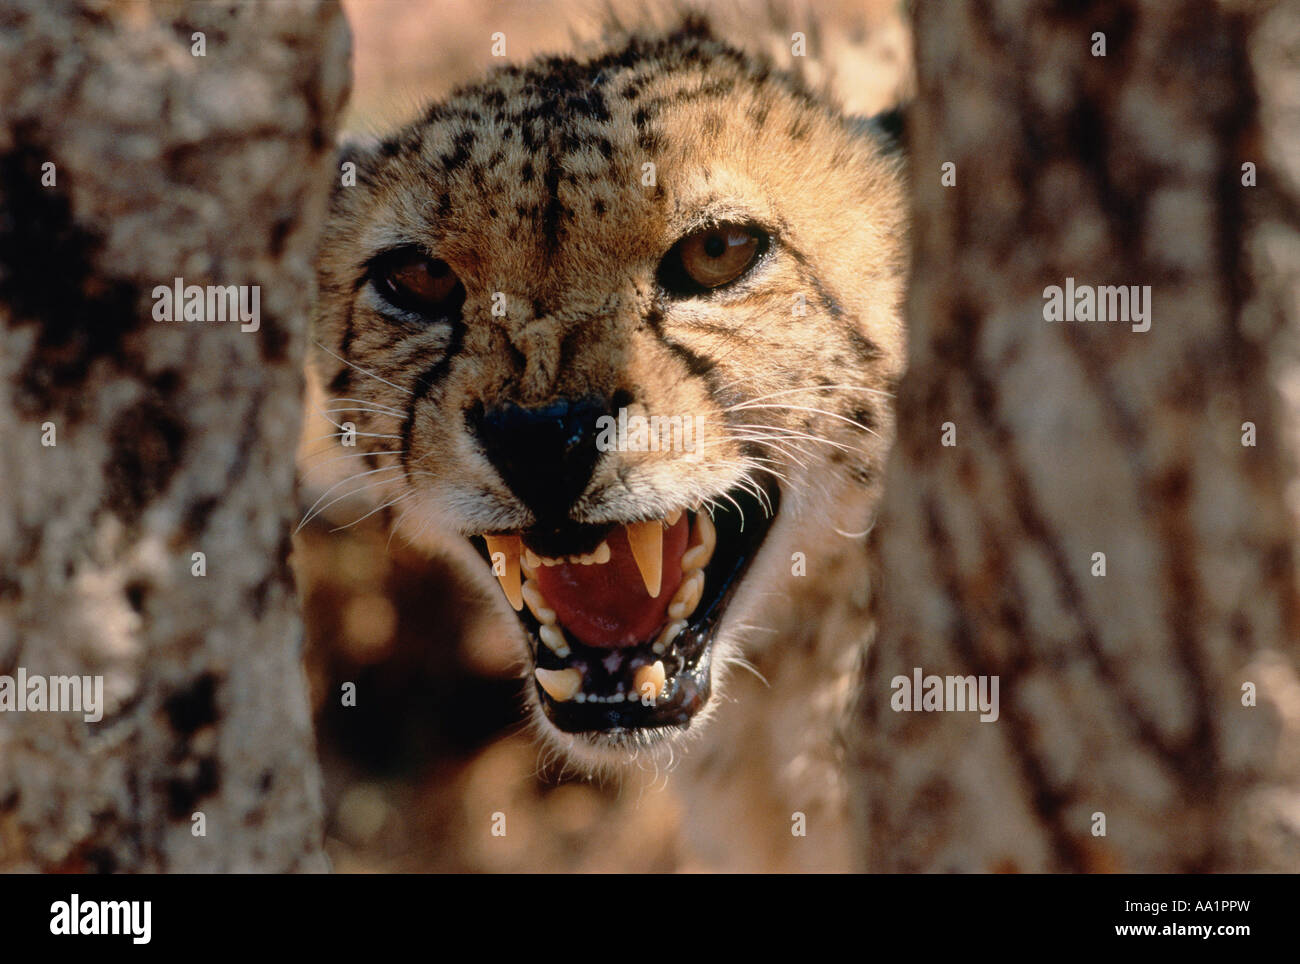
(169,160)
(1120,694)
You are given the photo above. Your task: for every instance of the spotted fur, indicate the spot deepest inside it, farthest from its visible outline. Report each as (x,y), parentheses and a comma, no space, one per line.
(533,184)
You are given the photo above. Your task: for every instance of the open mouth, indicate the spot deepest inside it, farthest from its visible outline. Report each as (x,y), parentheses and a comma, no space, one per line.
(622,618)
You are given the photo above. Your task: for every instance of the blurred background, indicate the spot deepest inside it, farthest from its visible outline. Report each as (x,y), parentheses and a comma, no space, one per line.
(435,746)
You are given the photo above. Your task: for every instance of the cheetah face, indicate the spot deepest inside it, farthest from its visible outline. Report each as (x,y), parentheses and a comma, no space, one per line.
(620,326)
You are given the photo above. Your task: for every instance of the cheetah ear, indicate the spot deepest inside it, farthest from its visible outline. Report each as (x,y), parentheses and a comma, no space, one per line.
(888,127)
(359,149)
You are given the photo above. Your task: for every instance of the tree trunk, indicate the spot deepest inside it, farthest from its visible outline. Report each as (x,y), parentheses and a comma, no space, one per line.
(1124,739)
(134,152)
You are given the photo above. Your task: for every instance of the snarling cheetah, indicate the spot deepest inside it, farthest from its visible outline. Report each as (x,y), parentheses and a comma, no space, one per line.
(628,323)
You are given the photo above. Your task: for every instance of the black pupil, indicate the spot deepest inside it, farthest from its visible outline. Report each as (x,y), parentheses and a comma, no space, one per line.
(715,246)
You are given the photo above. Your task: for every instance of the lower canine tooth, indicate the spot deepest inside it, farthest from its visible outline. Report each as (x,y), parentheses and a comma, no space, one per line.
(537,603)
(506,566)
(667,636)
(554,639)
(649,681)
(560,684)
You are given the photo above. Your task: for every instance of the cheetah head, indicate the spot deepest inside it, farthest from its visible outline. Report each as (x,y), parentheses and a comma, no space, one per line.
(628,325)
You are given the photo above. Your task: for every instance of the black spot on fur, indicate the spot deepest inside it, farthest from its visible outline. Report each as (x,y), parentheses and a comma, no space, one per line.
(865,415)
(864,348)
(461,146)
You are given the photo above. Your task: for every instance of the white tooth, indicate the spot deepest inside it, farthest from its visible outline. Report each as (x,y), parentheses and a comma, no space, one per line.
(687,596)
(602,554)
(674,517)
(695,557)
(708,535)
(702,545)
(647,542)
(548,561)
(667,636)
(649,681)
(537,603)
(508,547)
(532,558)
(561,684)
(554,639)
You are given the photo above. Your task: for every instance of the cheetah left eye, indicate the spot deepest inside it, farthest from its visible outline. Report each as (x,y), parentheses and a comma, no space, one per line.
(711,257)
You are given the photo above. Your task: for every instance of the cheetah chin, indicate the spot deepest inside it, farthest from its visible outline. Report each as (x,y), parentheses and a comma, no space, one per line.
(622,617)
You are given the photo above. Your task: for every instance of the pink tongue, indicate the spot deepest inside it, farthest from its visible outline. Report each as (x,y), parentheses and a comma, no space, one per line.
(607,606)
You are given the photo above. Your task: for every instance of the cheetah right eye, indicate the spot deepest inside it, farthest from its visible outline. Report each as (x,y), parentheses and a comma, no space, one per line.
(410,280)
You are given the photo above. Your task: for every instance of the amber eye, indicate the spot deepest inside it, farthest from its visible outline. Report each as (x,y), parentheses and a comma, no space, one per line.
(412,281)
(712,257)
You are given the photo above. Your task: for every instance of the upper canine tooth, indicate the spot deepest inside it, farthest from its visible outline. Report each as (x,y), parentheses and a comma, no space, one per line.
(647,542)
(560,684)
(508,571)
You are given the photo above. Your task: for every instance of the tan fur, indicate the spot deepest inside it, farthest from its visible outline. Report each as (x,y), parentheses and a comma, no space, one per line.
(530,183)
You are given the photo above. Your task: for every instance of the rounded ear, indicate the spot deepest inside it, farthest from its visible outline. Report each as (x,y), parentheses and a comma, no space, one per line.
(888,127)
(360,150)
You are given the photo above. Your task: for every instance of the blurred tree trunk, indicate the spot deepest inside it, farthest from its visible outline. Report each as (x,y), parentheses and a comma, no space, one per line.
(140,144)
(1120,694)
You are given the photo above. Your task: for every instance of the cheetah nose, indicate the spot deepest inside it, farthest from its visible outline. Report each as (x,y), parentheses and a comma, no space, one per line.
(545,455)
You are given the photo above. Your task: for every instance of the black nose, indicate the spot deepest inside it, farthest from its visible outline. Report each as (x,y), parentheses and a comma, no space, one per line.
(545,455)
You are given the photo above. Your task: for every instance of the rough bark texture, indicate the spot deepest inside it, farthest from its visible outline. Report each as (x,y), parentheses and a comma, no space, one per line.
(172,437)
(1119,694)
